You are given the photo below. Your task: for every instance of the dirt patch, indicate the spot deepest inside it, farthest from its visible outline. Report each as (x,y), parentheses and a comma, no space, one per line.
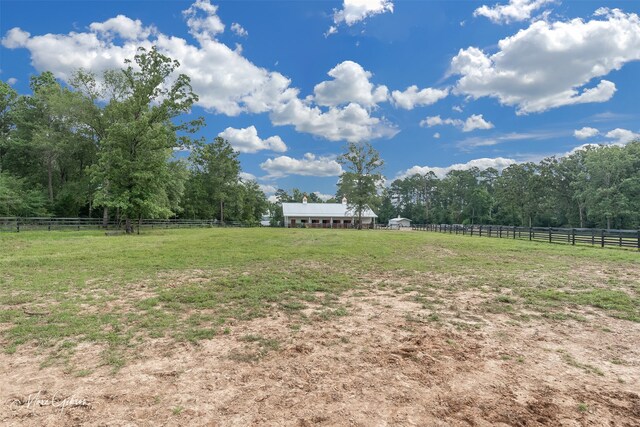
(383,363)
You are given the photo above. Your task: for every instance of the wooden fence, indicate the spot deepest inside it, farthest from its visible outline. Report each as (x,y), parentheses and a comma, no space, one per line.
(18,224)
(571,236)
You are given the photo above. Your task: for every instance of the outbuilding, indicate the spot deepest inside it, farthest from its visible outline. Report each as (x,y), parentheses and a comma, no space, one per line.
(399,222)
(325,215)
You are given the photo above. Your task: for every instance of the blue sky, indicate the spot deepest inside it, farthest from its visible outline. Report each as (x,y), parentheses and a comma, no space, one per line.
(430,84)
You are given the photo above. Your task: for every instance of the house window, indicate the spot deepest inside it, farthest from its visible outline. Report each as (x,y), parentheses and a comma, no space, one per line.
(315,221)
(336,221)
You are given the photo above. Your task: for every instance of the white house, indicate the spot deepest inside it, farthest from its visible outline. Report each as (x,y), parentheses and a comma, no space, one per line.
(399,222)
(324,215)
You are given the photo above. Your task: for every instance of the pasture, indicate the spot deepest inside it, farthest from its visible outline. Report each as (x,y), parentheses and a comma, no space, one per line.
(306,327)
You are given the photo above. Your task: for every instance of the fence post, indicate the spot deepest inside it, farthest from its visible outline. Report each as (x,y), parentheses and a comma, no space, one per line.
(573,236)
(593,237)
(549,234)
(480,231)
(639,240)
(500,232)
(514,232)
(17,225)
(530,233)
(602,239)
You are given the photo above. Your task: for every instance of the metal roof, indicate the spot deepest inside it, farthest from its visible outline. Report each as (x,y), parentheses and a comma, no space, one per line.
(323,210)
(393,220)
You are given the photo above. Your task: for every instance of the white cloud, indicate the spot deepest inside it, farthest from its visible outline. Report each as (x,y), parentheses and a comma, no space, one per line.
(12,81)
(436,135)
(516,10)
(323,197)
(476,121)
(498,163)
(332,30)
(473,122)
(622,136)
(350,84)
(272,198)
(247,140)
(351,123)
(267,189)
(123,27)
(225,81)
(202,20)
(585,132)
(354,11)
(457,108)
(310,165)
(15,38)
(549,65)
(239,30)
(475,142)
(246,176)
(412,97)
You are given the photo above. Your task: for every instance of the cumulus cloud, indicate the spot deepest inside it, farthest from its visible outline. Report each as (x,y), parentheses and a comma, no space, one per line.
(123,27)
(204,24)
(246,176)
(225,81)
(239,30)
(585,132)
(352,123)
(622,136)
(412,97)
(516,10)
(473,122)
(267,189)
(354,11)
(12,81)
(552,64)
(323,197)
(436,135)
(309,165)
(247,140)
(350,84)
(498,163)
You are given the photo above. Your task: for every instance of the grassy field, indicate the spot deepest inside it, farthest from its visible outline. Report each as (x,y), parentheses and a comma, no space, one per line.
(61,288)
(305,327)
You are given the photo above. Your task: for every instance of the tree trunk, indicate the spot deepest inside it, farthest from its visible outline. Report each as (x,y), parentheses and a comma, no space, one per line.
(139,222)
(128,228)
(50,178)
(581,213)
(105,217)
(608,222)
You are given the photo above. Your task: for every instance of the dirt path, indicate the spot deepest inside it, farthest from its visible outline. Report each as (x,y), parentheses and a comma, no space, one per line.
(386,363)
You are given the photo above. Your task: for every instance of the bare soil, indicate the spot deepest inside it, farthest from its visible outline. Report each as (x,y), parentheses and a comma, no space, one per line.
(389,361)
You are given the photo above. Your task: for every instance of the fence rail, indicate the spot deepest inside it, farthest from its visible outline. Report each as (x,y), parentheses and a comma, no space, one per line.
(571,236)
(18,224)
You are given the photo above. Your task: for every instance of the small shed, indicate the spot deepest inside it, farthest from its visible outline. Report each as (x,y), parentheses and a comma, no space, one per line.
(399,222)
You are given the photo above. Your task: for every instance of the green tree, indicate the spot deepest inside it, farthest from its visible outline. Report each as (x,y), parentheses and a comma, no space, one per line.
(132,171)
(362,178)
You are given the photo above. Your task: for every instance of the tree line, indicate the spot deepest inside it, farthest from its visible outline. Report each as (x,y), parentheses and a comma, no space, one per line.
(105,147)
(597,186)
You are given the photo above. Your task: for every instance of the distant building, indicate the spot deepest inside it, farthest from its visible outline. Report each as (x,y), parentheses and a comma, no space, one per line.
(399,222)
(265,221)
(324,215)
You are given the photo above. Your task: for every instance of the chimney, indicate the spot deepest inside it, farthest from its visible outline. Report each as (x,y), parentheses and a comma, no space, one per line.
(304,200)
(344,200)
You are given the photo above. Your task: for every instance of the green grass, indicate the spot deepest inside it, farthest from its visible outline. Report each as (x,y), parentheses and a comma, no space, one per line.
(58,289)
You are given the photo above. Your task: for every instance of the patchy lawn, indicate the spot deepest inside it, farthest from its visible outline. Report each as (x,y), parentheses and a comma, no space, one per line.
(301,327)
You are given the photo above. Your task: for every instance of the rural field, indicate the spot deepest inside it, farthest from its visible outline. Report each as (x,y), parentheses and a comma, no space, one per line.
(315,327)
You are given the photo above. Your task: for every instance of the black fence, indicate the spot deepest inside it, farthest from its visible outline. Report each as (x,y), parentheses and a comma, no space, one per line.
(18,224)
(571,236)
